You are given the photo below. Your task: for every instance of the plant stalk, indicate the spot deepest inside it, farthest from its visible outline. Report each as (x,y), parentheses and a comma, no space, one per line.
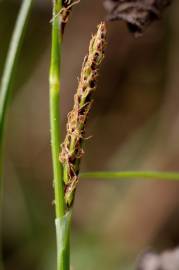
(63,219)
(131,175)
(7,78)
(54,80)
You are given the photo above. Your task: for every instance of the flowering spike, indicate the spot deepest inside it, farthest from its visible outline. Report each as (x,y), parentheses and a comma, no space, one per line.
(72,147)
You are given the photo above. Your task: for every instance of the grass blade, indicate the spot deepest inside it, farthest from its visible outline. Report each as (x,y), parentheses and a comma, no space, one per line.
(10,66)
(121,175)
(7,77)
(63,228)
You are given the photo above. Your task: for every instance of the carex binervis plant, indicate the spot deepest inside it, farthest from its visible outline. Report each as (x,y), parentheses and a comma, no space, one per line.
(67,153)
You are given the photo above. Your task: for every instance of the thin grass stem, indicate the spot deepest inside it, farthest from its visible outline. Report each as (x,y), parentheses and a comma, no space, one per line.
(7,78)
(63,219)
(54,80)
(131,175)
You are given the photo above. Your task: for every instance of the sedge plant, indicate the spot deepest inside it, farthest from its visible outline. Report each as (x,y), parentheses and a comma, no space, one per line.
(66,156)
(66,172)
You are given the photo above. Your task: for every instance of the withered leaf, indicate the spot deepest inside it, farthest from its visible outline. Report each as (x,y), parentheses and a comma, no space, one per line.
(138,14)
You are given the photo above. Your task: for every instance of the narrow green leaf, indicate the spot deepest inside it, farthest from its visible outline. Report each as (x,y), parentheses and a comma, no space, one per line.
(63,225)
(6,82)
(121,175)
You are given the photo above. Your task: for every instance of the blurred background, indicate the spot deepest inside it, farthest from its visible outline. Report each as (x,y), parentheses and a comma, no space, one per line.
(134,124)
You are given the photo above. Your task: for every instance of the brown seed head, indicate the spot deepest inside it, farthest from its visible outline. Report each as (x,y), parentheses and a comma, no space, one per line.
(72,147)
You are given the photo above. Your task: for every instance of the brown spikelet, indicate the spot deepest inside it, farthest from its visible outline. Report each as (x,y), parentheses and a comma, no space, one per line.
(65,11)
(72,147)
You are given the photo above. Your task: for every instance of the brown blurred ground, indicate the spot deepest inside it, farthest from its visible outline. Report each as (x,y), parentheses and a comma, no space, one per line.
(135,125)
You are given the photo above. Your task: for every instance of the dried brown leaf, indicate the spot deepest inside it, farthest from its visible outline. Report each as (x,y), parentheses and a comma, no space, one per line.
(138,14)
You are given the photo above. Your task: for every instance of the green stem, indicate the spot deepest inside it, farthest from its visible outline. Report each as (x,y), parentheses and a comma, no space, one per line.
(54,110)
(9,70)
(63,221)
(133,174)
